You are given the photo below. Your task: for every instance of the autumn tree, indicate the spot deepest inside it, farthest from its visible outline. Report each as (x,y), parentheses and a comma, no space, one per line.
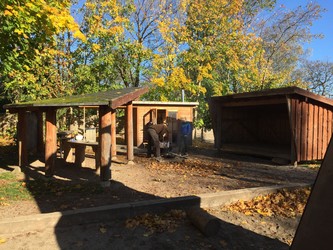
(283,34)
(207,51)
(142,40)
(316,76)
(103,23)
(28,32)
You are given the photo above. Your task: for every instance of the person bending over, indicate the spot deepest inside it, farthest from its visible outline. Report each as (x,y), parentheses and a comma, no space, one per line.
(156,133)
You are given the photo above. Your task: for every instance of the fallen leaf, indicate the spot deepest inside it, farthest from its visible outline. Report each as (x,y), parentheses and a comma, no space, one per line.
(2,240)
(102,229)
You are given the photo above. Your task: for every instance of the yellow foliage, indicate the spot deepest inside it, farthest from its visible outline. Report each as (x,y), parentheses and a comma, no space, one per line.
(8,13)
(159,81)
(96,47)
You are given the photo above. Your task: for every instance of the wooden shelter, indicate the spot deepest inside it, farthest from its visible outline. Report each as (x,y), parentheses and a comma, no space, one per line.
(288,123)
(107,103)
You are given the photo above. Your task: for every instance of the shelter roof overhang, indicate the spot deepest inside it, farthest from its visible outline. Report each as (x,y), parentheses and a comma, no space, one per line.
(160,103)
(111,98)
(269,96)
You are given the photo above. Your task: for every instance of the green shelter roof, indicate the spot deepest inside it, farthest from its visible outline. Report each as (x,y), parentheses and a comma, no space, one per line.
(111,98)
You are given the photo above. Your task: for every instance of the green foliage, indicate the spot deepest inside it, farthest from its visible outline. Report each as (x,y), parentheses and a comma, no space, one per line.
(205,48)
(28,47)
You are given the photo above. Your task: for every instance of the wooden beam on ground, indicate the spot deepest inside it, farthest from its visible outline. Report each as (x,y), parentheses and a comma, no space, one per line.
(105,144)
(129,131)
(22,138)
(113,134)
(50,141)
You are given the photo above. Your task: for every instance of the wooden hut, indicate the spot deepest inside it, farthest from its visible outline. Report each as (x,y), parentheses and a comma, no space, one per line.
(288,123)
(158,112)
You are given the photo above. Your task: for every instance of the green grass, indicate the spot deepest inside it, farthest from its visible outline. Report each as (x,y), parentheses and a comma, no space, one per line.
(12,189)
(7,176)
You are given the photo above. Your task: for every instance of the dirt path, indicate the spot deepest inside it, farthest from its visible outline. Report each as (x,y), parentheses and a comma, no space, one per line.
(147,179)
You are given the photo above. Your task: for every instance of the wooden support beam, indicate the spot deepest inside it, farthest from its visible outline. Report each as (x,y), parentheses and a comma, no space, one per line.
(218,139)
(50,141)
(129,131)
(40,132)
(113,134)
(22,138)
(105,144)
(292,123)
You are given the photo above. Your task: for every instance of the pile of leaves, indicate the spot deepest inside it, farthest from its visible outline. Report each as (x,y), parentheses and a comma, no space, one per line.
(286,203)
(153,223)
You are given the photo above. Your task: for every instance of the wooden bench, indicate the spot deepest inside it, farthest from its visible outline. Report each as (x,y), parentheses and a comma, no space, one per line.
(80,149)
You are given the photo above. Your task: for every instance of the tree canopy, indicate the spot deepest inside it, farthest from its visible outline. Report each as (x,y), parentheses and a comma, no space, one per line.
(51,48)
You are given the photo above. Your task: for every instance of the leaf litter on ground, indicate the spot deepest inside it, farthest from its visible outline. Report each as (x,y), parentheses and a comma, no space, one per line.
(285,203)
(154,223)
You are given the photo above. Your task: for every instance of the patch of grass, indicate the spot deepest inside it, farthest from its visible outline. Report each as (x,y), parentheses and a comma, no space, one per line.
(11,189)
(7,176)
(311,165)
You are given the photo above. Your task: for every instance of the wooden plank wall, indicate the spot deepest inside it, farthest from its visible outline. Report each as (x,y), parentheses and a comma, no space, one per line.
(312,128)
(144,114)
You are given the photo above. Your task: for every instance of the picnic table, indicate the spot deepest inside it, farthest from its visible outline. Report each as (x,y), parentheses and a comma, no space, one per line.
(80,151)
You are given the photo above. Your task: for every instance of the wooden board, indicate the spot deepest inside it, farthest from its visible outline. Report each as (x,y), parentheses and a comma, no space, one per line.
(315,228)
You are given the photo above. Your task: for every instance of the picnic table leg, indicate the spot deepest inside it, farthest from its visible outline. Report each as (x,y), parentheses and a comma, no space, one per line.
(68,152)
(97,152)
(80,155)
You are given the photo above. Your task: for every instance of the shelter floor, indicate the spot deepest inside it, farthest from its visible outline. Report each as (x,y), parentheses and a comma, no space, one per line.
(265,150)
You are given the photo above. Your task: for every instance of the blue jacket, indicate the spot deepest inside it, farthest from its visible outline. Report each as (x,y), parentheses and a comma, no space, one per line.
(186,128)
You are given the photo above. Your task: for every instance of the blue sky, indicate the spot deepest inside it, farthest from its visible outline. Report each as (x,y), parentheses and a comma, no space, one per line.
(322,49)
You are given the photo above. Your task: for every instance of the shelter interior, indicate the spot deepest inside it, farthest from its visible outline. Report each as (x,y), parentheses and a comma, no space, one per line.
(257,130)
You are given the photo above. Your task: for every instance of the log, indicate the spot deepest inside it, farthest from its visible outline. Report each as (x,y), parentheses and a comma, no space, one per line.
(205,222)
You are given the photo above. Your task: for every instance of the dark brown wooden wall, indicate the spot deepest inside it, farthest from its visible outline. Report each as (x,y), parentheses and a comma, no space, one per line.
(263,124)
(312,128)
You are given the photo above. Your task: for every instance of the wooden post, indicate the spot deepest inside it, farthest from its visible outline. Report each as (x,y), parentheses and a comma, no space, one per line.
(105,144)
(50,141)
(22,138)
(40,133)
(113,134)
(129,131)
(218,139)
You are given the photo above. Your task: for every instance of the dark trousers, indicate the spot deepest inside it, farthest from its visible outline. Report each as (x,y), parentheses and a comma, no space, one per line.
(183,144)
(153,139)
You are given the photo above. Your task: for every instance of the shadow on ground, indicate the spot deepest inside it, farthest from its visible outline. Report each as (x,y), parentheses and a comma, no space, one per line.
(81,189)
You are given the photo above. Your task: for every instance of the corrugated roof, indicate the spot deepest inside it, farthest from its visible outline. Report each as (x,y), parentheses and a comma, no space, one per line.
(112,98)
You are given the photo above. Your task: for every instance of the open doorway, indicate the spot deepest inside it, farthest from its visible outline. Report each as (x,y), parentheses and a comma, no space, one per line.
(161,116)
